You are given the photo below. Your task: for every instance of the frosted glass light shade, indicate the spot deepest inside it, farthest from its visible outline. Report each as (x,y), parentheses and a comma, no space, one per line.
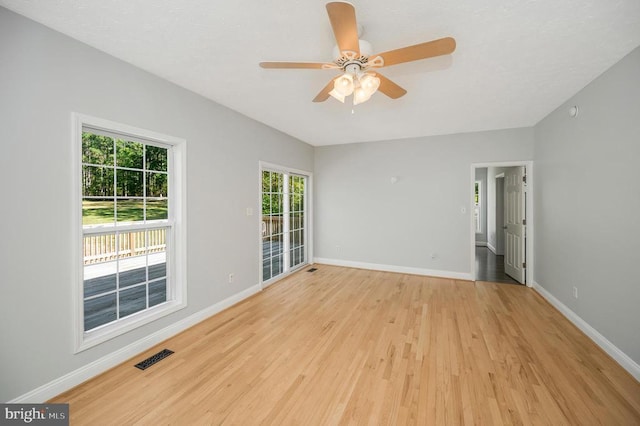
(344,84)
(337,95)
(370,83)
(360,95)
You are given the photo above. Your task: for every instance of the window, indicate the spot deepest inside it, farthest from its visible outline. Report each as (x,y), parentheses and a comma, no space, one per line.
(284,222)
(478,206)
(131,228)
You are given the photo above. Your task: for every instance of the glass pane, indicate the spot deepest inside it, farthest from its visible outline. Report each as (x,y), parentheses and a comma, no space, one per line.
(133,271)
(129,183)
(296,257)
(276,204)
(157,292)
(277,245)
(266,181)
(266,204)
(266,248)
(98,249)
(157,243)
(156,158)
(276,182)
(129,210)
(157,185)
(99,311)
(277,265)
(157,270)
(131,244)
(97,181)
(97,149)
(129,154)
(157,209)
(266,269)
(133,300)
(99,277)
(98,211)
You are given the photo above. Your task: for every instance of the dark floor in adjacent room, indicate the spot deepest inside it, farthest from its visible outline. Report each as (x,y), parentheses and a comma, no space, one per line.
(490,267)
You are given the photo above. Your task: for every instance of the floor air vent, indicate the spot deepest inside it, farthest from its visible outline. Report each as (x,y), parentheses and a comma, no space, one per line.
(153,359)
(312,270)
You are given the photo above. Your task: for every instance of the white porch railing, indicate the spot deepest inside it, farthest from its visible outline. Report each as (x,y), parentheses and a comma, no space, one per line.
(98,248)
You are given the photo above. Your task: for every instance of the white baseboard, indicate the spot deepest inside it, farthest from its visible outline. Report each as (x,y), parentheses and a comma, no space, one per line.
(491,247)
(82,374)
(614,352)
(393,268)
(481,243)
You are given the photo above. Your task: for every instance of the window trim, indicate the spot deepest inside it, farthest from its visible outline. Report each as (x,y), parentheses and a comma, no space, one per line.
(177,174)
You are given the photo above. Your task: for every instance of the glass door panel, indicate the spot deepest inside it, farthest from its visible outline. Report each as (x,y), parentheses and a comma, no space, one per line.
(283,223)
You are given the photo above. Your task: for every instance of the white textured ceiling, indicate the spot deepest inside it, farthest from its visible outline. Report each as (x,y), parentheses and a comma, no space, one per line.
(515,62)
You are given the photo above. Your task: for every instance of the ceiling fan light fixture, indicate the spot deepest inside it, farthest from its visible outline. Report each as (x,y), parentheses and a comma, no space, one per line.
(344,84)
(360,95)
(353,56)
(370,83)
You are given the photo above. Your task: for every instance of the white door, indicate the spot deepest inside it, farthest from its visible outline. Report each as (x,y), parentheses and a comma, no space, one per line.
(514,218)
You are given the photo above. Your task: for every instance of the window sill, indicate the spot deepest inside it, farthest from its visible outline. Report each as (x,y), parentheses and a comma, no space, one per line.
(101,334)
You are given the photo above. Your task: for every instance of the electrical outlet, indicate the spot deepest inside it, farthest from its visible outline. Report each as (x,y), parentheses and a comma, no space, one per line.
(337,249)
(231,276)
(575,292)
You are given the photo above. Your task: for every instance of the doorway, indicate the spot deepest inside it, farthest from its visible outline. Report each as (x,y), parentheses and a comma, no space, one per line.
(284,222)
(502,247)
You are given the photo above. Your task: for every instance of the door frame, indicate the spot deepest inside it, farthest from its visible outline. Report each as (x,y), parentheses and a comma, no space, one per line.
(529,199)
(308,206)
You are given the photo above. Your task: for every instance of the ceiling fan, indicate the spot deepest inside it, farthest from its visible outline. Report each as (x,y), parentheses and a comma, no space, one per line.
(358,64)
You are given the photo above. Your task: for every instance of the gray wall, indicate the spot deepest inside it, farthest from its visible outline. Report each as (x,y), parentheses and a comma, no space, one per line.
(43,77)
(587,201)
(481,175)
(371,220)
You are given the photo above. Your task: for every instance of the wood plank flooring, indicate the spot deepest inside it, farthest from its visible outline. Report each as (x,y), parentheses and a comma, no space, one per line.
(349,346)
(490,267)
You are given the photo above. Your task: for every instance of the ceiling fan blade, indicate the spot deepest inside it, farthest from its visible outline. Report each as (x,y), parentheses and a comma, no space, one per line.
(345,28)
(298,65)
(439,47)
(389,88)
(324,93)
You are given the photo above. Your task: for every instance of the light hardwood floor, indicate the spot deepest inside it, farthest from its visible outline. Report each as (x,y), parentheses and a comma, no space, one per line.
(342,346)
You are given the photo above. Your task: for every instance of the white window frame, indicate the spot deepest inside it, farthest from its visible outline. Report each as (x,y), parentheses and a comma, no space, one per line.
(176,255)
(308,209)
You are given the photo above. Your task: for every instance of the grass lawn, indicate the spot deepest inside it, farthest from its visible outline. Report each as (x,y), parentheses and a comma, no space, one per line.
(96,212)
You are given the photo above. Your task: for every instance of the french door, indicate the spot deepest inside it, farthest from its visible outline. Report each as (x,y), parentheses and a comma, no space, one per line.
(284,222)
